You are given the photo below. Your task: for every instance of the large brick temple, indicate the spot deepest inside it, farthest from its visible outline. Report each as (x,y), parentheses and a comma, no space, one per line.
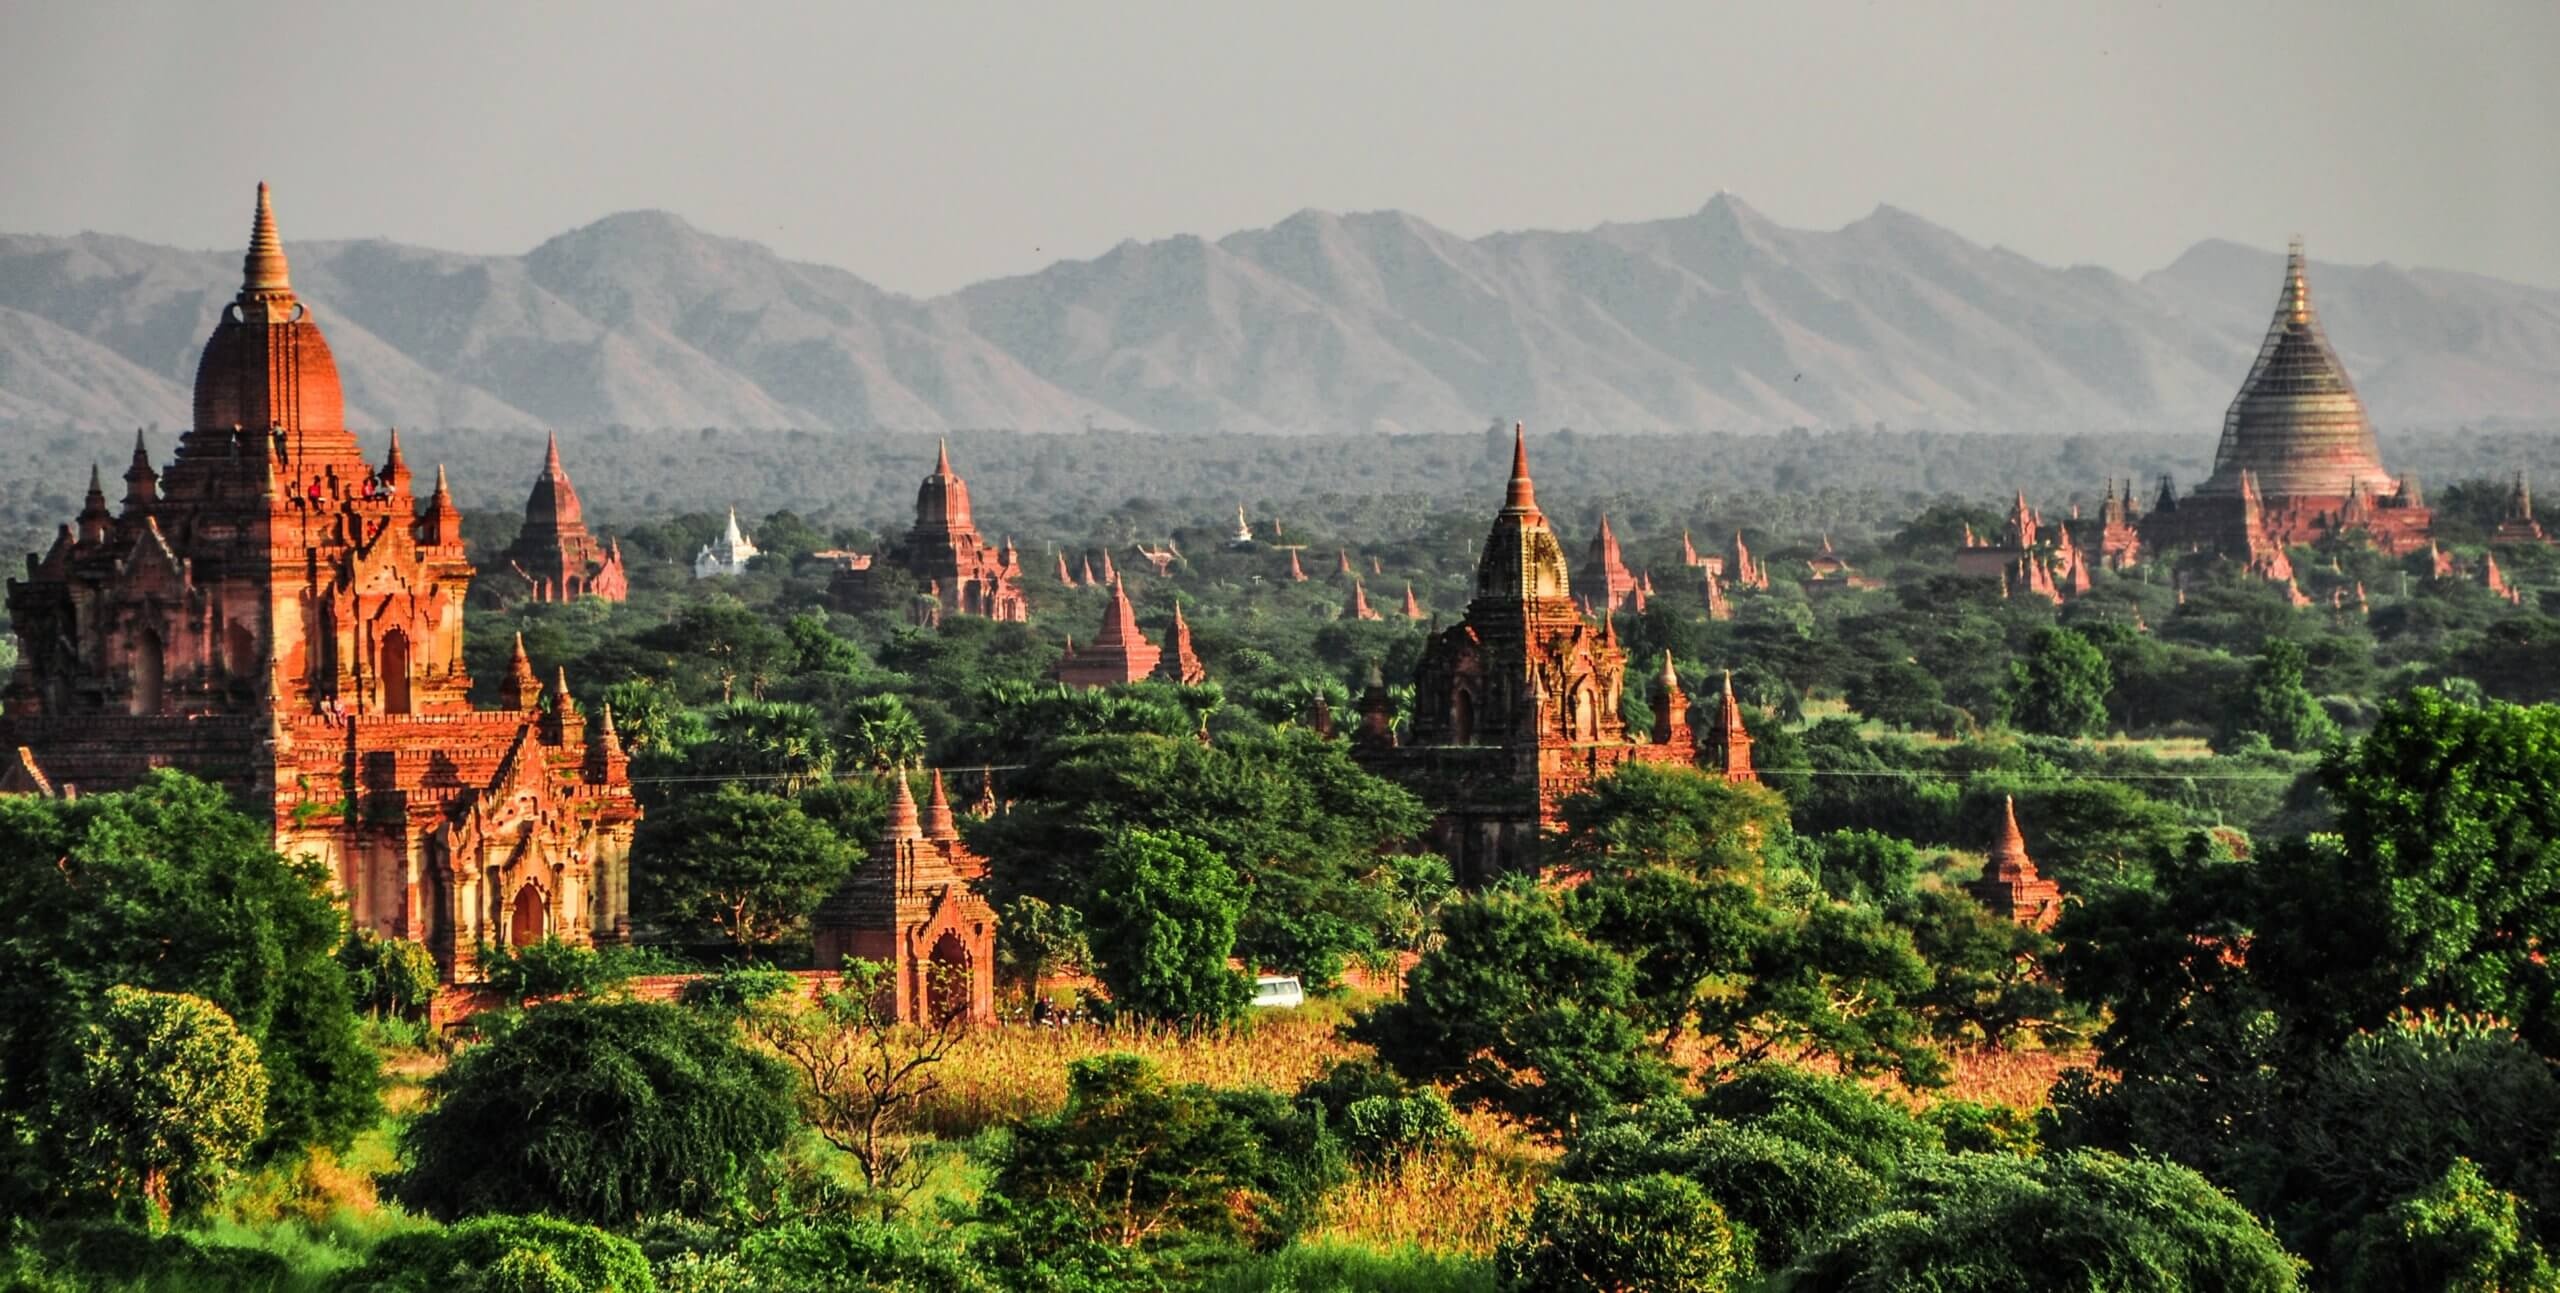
(281,615)
(555,556)
(2297,463)
(1517,706)
(952,563)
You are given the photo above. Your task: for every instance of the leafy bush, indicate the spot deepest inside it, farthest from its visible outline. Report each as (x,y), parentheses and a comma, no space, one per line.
(1377,1115)
(391,977)
(160,1096)
(503,1254)
(78,1257)
(2460,1235)
(855,1257)
(1657,1234)
(550,968)
(1821,1112)
(602,1111)
(735,990)
(2082,1220)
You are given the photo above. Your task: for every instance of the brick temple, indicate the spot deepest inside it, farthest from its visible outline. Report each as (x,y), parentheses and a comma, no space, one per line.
(914,907)
(553,554)
(1517,706)
(279,614)
(2298,462)
(951,562)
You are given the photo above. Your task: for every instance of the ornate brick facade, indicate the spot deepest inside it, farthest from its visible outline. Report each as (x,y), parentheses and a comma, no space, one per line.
(279,615)
(554,555)
(1517,706)
(914,907)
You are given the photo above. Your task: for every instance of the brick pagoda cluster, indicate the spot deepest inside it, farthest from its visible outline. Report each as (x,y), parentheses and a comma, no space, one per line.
(279,614)
(1517,706)
(952,564)
(554,555)
(914,907)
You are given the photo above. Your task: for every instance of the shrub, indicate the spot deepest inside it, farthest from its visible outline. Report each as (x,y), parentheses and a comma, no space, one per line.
(503,1254)
(855,1257)
(737,989)
(600,1111)
(550,968)
(1378,1116)
(160,1096)
(1821,1112)
(1652,1234)
(2460,1235)
(2082,1220)
(391,977)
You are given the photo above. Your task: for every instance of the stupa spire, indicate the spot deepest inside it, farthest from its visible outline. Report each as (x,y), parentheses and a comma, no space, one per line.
(263,272)
(904,822)
(938,821)
(1523,493)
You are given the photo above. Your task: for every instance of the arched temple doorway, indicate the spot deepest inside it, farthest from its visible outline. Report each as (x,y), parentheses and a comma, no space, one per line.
(395,672)
(150,673)
(526,918)
(946,979)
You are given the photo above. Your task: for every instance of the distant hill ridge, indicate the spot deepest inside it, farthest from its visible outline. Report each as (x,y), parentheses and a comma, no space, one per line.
(1379,321)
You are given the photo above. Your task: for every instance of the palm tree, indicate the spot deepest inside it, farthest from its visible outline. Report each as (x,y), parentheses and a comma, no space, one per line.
(881,734)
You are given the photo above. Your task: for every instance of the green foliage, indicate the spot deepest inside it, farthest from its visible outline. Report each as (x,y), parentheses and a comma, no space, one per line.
(1164,922)
(1516,1012)
(159,1096)
(1146,1168)
(599,1111)
(503,1254)
(739,866)
(1987,981)
(2273,703)
(1652,1234)
(820,1256)
(2082,1220)
(1378,1116)
(167,888)
(391,977)
(739,988)
(1862,866)
(2059,686)
(2459,1235)
(880,734)
(1306,831)
(1785,1194)
(778,745)
(1035,939)
(1645,815)
(550,967)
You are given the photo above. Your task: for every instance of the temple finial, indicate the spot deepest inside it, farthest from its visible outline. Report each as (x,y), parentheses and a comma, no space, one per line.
(263,270)
(2297,282)
(942,458)
(551,452)
(1523,492)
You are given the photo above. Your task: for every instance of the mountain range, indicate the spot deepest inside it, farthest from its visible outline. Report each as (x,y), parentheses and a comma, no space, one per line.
(1380,321)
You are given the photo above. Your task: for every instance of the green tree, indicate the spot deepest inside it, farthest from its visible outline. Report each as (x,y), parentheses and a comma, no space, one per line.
(1653,1234)
(1162,924)
(719,643)
(161,1096)
(2002,1224)
(780,744)
(1986,971)
(167,887)
(2059,686)
(862,1075)
(390,976)
(2459,1235)
(597,1111)
(880,734)
(2274,703)
(1645,814)
(1137,1163)
(1034,939)
(1516,1012)
(1899,693)
(739,866)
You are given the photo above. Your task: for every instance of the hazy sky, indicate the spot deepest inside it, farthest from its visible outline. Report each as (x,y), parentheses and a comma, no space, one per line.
(924,145)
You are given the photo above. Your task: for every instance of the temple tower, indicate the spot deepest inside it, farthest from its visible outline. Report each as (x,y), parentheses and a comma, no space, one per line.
(2010,885)
(276,613)
(914,908)
(555,556)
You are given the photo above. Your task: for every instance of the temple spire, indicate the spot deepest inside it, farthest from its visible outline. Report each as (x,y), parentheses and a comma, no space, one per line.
(938,822)
(2297,284)
(942,458)
(904,822)
(263,271)
(1523,494)
(551,459)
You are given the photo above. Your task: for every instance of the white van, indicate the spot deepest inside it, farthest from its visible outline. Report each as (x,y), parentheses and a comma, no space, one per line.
(1278,991)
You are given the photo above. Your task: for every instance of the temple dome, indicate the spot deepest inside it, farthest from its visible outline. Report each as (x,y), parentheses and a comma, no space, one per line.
(1522,560)
(2297,422)
(266,364)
